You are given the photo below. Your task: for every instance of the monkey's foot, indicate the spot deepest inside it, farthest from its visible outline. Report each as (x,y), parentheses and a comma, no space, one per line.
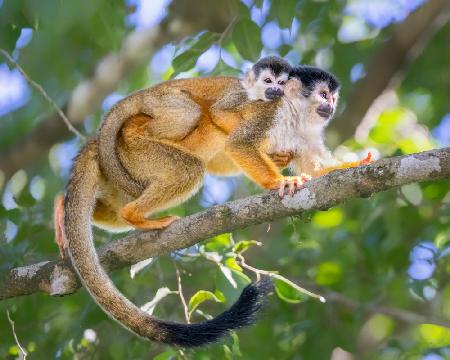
(155,224)
(282,159)
(58,220)
(138,221)
(367,160)
(292,183)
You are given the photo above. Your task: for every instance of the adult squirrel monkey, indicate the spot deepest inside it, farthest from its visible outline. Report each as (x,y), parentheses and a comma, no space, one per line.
(172,170)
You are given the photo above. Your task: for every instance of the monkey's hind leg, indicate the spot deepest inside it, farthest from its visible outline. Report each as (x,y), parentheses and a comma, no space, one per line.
(58,221)
(173,177)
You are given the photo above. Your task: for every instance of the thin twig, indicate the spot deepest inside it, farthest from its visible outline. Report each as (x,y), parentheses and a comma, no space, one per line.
(40,89)
(24,353)
(180,293)
(260,272)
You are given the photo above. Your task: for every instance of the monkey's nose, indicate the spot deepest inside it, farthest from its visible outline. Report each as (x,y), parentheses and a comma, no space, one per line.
(325,110)
(273,93)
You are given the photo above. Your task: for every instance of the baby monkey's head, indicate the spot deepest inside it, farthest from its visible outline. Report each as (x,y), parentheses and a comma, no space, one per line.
(318,91)
(267,78)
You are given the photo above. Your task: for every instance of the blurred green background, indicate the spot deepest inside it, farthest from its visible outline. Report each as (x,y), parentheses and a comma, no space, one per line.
(372,259)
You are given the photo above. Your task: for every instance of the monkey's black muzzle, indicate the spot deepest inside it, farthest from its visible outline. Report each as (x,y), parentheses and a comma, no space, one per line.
(325,110)
(273,93)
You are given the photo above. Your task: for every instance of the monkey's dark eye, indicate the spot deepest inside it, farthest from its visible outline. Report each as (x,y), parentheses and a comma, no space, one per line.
(281,82)
(267,80)
(324,94)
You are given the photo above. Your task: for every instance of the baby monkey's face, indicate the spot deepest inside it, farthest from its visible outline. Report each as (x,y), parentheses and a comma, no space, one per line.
(267,79)
(270,85)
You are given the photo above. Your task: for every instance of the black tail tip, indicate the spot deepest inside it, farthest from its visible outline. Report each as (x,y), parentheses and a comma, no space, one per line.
(242,313)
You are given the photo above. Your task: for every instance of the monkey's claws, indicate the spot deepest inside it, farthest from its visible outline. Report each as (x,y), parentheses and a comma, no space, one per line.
(292,183)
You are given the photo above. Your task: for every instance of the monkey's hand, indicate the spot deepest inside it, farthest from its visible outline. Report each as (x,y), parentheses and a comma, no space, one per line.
(282,159)
(291,183)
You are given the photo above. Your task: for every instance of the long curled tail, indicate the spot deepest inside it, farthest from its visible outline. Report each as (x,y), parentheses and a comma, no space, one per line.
(112,167)
(79,206)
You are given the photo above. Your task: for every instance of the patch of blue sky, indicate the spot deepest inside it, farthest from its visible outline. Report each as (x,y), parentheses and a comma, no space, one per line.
(110,100)
(442,132)
(208,60)
(381,13)
(25,37)
(259,15)
(423,261)
(148,13)
(14,90)
(273,36)
(162,59)
(217,190)
(357,72)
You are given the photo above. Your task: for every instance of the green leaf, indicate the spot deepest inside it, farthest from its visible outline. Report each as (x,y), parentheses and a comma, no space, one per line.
(219,243)
(166,355)
(222,69)
(199,297)
(284,49)
(243,245)
(284,11)
(14,215)
(247,39)
(25,199)
(287,293)
(187,59)
(232,264)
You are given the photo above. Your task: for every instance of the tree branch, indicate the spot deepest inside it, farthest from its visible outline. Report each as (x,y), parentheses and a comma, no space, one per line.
(59,278)
(405,44)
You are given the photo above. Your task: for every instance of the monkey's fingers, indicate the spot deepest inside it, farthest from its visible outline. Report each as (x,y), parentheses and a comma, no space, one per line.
(281,188)
(293,183)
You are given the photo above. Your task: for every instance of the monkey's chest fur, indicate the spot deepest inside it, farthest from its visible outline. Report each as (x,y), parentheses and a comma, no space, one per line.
(292,130)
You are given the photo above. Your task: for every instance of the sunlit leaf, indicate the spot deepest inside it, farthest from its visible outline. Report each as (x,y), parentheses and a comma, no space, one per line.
(243,245)
(166,355)
(287,293)
(199,297)
(141,265)
(328,273)
(328,219)
(232,264)
(160,294)
(219,243)
(434,335)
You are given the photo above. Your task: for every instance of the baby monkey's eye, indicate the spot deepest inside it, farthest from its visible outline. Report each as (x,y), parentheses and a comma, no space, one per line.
(267,80)
(281,82)
(324,94)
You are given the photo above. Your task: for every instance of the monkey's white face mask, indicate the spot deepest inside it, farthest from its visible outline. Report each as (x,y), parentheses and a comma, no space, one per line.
(266,86)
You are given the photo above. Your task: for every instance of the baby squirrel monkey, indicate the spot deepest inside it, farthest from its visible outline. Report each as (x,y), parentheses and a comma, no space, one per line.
(172,113)
(303,139)
(238,137)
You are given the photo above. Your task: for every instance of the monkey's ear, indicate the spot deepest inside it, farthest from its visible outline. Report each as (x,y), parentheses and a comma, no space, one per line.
(249,79)
(293,88)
